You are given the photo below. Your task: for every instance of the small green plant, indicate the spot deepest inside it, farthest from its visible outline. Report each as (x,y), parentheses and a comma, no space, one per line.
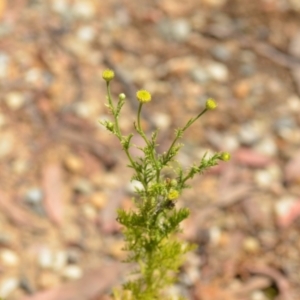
(150,228)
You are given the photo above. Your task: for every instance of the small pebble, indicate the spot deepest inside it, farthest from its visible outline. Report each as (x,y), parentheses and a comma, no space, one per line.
(241,89)
(115,249)
(215,3)
(258,295)
(200,75)
(84,9)
(73,163)
(14,100)
(180,30)
(4,63)
(250,132)
(162,120)
(6,144)
(34,196)
(251,245)
(89,212)
(267,146)
(133,185)
(45,258)
(60,6)
(98,200)
(218,72)
(248,69)
(83,186)
(221,52)
(9,258)
(7,286)
(215,235)
(60,260)
(86,33)
(263,178)
(72,272)
(47,280)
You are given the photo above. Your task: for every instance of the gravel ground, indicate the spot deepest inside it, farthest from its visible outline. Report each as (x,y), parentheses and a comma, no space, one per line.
(63,176)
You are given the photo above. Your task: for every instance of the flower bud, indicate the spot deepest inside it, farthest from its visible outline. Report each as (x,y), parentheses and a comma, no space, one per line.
(122,96)
(210,104)
(143,96)
(225,156)
(174,182)
(173,194)
(108,75)
(110,126)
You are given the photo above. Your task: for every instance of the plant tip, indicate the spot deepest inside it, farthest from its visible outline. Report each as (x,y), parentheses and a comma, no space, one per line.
(210,104)
(108,75)
(143,96)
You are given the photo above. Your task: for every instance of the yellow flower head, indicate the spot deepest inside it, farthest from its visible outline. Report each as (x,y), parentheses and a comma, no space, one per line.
(143,96)
(225,156)
(173,194)
(210,104)
(108,75)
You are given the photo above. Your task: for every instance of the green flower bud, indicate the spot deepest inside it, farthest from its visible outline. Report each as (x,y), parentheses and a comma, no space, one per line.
(174,182)
(110,126)
(122,96)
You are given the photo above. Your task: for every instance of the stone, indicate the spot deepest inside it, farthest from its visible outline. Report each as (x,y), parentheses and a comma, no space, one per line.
(251,132)
(115,249)
(86,33)
(9,258)
(181,29)
(14,100)
(177,30)
(162,120)
(47,280)
(73,163)
(251,245)
(241,89)
(84,9)
(98,200)
(218,71)
(83,186)
(267,146)
(72,272)
(60,260)
(45,258)
(4,62)
(6,144)
(34,196)
(215,3)
(7,286)
(221,52)
(89,211)
(200,75)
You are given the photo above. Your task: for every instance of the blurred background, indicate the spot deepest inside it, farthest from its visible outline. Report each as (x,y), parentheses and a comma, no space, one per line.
(63,176)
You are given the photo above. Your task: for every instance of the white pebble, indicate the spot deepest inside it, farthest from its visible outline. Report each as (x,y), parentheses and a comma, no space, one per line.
(14,100)
(218,72)
(60,259)
(45,258)
(86,33)
(8,286)
(84,9)
(162,120)
(72,272)
(9,258)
